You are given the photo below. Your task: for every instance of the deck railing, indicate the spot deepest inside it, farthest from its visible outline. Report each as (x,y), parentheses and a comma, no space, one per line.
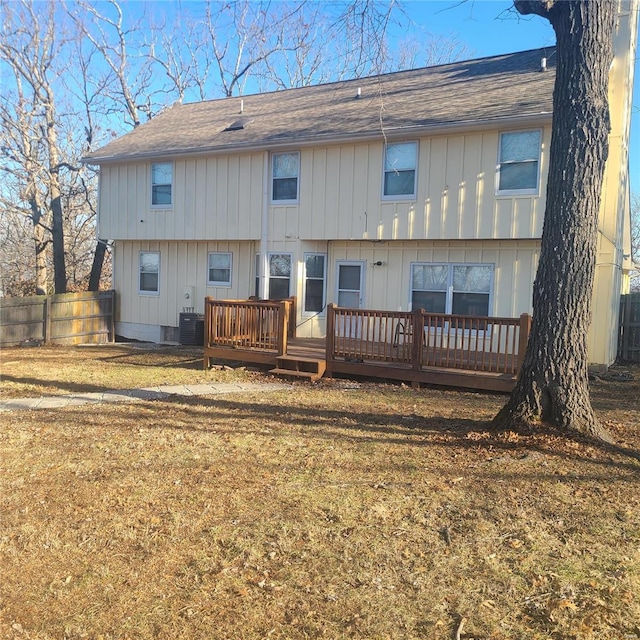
(447,341)
(259,326)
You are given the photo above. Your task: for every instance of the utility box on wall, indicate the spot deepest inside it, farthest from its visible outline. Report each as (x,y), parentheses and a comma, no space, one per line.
(192,329)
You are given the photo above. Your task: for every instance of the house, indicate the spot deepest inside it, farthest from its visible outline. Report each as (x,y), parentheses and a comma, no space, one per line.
(418,188)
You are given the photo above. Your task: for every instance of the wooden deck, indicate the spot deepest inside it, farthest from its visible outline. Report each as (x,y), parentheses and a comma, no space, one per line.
(440,375)
(460,351)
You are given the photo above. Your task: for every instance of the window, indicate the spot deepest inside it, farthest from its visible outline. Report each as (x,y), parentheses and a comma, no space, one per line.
(461,289)
(149,272)
(219,273)
(519,161)
(285,172)
(279,276)
(161,184)
(400,169)
(314,282)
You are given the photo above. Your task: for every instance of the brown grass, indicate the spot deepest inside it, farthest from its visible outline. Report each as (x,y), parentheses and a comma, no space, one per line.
(341,510)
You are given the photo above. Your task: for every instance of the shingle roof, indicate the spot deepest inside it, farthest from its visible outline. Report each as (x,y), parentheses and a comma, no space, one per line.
(432,98)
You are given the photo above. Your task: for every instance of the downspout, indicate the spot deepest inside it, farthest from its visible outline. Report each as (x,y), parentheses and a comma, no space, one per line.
(263,292)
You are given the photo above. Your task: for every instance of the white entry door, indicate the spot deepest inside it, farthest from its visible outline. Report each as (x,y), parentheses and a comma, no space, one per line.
(350,283)
(350,288)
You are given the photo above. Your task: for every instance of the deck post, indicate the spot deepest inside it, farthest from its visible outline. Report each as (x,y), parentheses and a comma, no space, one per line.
(331,334)
(525,330)
(283,327)
(416,336)
(207,332)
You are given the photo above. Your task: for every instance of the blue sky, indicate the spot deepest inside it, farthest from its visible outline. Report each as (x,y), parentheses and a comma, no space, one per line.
(489,27)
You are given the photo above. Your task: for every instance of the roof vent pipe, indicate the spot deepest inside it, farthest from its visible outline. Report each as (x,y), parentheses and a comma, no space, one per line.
(359,92)
(241,106)
(543,64)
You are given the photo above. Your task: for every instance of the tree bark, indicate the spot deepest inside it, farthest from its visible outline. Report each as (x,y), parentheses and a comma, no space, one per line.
(553,385)
(40,246)
(96,267)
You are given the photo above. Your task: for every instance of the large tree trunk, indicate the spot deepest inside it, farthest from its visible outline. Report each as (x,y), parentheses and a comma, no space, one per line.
(40,246)
(59,261)
(553,383)
(96,267)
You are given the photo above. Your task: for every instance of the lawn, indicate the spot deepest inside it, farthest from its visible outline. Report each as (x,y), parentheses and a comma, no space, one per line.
(338,510)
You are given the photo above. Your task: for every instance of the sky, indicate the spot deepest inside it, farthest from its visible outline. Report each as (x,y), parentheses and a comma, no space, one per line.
(489,27)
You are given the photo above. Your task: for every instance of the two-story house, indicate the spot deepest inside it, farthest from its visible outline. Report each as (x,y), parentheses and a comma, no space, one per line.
(422,188)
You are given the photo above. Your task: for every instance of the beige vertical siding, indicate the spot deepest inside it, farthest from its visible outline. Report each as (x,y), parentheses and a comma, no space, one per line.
(220,197)
(213,197)
(388,286)
(182,264)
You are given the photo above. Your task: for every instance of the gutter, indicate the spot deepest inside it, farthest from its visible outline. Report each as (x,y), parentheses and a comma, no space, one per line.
(543,117)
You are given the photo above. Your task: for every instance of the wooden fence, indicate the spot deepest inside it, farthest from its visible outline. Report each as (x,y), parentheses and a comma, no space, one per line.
(64,318)
(629,336)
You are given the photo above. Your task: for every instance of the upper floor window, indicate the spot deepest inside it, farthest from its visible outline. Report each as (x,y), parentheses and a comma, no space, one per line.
(400,160)
(285,171)
(460,289)
(518,164)
(149,272)
(161,184)
(219,272)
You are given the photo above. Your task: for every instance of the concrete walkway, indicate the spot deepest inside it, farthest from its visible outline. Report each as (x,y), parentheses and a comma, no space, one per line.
(134,395)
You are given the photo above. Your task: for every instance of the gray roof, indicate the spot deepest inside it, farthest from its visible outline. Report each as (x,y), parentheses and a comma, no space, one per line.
(471,93)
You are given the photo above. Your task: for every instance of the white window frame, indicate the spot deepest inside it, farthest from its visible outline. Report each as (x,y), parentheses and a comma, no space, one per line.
(322,312)
(525,191)
(273,178)
(147,292)
(449,292)
(219,283)
(159,184)
(362,290)
(404,196)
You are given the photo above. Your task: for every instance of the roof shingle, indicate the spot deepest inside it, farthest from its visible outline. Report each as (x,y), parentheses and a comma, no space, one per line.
(473,91)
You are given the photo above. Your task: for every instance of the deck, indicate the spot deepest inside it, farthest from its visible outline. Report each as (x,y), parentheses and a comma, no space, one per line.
(460,351)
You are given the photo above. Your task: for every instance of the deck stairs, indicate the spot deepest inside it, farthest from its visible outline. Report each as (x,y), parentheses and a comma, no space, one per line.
(299,367)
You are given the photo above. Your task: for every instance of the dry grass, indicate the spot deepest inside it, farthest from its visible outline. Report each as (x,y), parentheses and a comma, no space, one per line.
(340,510)
(50,371)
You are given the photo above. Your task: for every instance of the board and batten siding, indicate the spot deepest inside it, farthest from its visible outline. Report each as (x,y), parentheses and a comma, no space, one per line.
(214,197)
(221,197)
(386,286)
(341,195)
(182,265)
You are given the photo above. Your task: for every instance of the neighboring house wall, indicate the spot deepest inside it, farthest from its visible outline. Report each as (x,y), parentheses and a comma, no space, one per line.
(614,238)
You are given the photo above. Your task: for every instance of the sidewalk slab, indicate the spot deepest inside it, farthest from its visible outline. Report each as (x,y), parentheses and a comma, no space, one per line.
(133,395)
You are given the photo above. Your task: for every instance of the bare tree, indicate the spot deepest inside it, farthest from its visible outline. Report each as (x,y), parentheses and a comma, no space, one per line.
(553,384)
(130,84)
(47,116)
(27,49)
(320,44)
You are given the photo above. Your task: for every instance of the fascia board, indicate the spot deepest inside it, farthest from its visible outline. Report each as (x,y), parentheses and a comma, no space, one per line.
(541,118)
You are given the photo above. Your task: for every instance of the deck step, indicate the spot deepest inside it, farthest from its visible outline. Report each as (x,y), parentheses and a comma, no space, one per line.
(300,367)
(307,375)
